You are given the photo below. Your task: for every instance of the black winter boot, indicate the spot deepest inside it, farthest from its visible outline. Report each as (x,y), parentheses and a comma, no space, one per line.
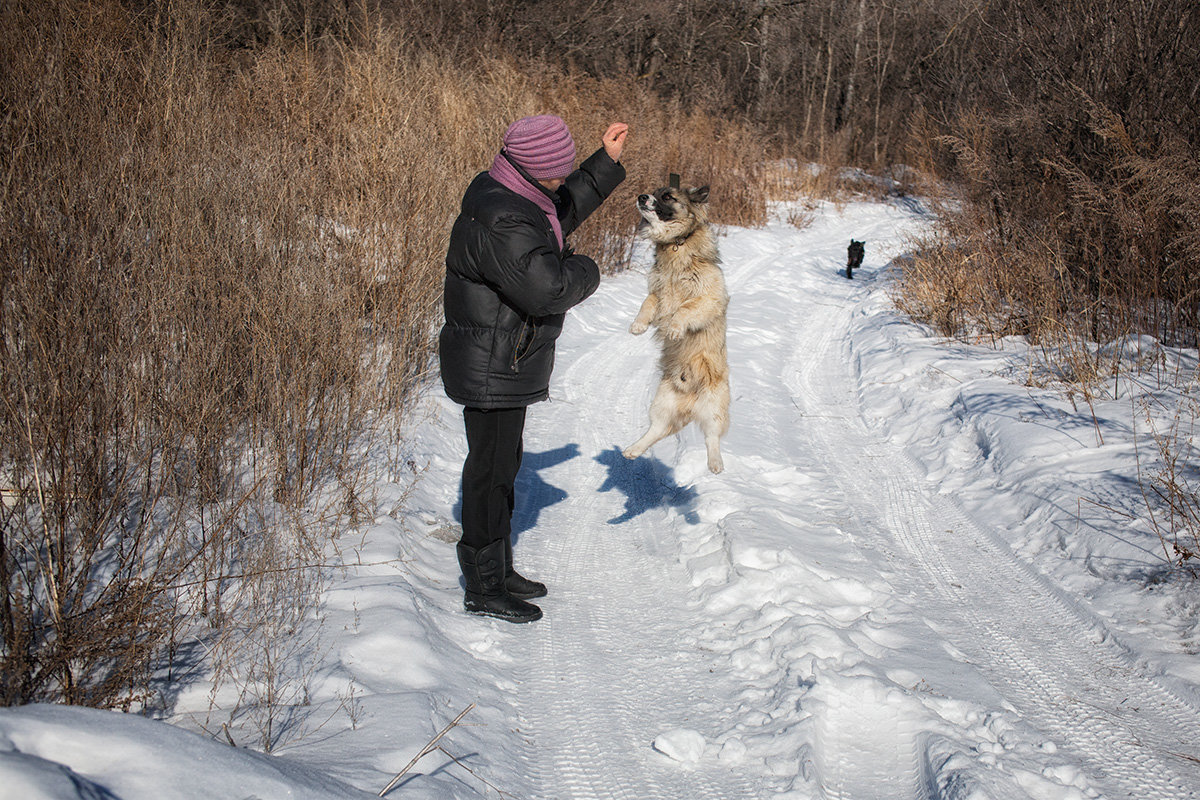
(517,585)
(483,570)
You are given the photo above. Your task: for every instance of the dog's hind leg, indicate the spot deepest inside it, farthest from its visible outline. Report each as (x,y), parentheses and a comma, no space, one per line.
(712,442)
(713,420)
(663,420)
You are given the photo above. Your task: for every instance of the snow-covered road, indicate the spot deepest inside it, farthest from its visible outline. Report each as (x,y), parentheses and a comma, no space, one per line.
(859,607)
(860,668)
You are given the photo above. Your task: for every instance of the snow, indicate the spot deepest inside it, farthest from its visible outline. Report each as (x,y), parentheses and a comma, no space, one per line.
(924,573)
(61,752)
(681,744)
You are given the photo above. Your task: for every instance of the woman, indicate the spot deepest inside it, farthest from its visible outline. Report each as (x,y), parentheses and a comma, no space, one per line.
(510,279)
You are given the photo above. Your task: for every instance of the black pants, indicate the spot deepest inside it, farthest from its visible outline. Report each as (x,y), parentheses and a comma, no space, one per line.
(494,450)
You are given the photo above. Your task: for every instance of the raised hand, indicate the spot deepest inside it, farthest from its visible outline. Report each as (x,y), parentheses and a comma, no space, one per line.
(614,140)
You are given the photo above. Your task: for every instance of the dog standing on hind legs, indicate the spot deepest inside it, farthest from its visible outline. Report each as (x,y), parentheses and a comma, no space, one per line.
(687,302)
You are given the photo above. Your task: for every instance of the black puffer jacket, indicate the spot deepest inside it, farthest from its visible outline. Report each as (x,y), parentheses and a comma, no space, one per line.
(508,286)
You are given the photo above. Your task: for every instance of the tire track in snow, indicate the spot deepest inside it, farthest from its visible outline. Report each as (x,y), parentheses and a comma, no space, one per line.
(607,670)
(867,743)
(1055,664)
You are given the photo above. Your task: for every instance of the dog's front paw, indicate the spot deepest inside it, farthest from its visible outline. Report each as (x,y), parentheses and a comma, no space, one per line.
(675,331)
(638,327)
(631,453)
(715,464)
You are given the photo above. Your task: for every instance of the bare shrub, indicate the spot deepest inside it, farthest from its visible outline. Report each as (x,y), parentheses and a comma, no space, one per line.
(1173,484)
(208,304)
(268,645)
(88,555)
(801,216)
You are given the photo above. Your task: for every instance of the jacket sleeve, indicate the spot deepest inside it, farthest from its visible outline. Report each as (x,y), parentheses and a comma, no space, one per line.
(587,187)
(532,276)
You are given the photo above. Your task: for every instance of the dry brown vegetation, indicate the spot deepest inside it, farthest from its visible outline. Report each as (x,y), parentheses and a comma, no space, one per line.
(1077,159)
(220,270)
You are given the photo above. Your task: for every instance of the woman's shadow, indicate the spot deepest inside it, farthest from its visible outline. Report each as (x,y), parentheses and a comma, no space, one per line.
(646,483)
(533,492)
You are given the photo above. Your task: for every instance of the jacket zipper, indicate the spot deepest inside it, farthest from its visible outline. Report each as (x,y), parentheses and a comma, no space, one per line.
(518,351)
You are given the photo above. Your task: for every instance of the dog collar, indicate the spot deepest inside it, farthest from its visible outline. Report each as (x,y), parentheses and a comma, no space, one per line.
(678,243)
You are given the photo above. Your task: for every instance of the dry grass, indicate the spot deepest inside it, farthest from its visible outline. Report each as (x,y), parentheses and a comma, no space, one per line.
(220,274)
(1040,243)
(1172,484)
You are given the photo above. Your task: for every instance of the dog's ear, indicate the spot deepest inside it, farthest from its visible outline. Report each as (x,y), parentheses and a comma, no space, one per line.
(698,195)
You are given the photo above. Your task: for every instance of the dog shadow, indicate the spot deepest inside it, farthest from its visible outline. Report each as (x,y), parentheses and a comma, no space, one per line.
(533,492)
(647,483)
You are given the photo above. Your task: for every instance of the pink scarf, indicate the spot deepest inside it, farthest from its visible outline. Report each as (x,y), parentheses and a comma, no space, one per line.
(507,175)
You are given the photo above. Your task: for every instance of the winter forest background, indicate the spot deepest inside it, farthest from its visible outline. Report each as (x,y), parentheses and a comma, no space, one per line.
(222,225)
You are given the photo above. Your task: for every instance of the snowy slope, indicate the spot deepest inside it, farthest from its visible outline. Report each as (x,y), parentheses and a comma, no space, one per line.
(888,594)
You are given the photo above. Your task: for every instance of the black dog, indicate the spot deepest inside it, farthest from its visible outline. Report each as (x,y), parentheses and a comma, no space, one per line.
(854,257)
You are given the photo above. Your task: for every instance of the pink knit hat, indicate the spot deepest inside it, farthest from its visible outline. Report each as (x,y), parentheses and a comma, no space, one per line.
(542,146)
